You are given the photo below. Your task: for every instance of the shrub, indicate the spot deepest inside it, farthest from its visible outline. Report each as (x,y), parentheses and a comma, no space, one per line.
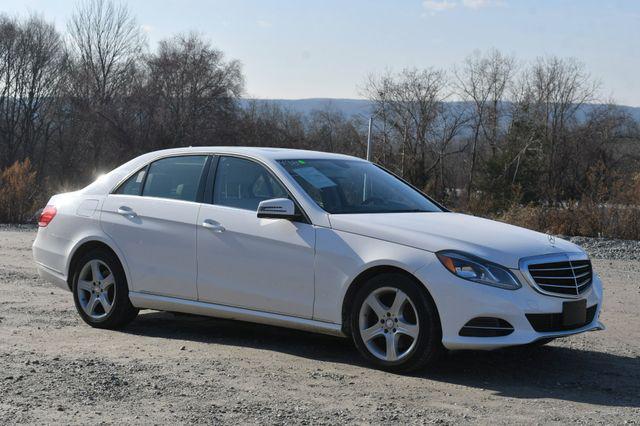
(18,193)
(578,219)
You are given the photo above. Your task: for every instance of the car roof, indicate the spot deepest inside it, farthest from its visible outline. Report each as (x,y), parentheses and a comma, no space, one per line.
(106,183)
(270,154)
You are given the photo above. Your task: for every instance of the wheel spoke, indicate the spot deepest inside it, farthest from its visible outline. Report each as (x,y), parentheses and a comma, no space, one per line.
(85,285)
(104,301)
(371,332)
(410,330)
(95,271)
(108,281)
(91,304)
(398,303)
(375,304)
(392,346)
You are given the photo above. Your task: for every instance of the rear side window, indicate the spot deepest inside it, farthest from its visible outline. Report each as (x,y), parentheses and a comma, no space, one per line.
(244,183)
(175,177)
(133,185)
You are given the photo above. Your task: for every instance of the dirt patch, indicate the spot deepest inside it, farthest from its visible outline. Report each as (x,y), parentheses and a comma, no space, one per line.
(182,369)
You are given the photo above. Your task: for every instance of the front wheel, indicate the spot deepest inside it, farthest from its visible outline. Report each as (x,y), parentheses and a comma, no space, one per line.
(394,324)
(100,291)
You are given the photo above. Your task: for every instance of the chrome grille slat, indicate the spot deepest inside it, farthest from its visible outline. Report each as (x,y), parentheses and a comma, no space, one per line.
(541,277)
(583,274)
(564,275)
(583,282)
(568,268)
(557,285)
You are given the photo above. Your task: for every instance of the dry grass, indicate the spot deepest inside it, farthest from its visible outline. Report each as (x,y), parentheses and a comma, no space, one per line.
(579,218)
(19,193)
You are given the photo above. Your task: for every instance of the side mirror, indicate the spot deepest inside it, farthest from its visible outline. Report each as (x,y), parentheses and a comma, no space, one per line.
(277,208)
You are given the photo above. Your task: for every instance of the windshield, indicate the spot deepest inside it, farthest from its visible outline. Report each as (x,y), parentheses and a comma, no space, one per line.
(352,186)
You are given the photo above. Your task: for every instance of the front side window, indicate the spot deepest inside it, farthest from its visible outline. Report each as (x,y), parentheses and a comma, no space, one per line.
(244,184)
(352,186)
(175,177)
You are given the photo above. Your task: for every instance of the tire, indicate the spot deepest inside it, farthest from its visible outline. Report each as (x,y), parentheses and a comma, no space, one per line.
(102,300)
(413,329)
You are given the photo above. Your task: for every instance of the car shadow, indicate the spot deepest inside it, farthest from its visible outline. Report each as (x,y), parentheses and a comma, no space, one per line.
(552,372)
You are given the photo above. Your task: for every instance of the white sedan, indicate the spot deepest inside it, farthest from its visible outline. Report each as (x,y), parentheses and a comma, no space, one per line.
(313,241)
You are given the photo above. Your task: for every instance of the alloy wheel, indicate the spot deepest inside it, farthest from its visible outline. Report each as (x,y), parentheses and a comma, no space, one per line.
(388,323)
(96,289)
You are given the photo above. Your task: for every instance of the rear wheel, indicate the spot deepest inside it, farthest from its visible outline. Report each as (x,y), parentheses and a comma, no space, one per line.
(394,324)
(100,291)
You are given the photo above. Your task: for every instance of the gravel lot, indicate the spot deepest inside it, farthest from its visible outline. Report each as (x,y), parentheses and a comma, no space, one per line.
(167,369)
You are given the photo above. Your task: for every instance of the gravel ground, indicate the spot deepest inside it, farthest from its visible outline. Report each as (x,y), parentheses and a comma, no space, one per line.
(606,248)
(183,369)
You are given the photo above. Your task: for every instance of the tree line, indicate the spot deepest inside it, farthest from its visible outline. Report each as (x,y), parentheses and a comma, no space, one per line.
(489,136)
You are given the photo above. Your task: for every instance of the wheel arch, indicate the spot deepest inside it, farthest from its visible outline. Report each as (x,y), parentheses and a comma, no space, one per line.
(85,246)
(367,274)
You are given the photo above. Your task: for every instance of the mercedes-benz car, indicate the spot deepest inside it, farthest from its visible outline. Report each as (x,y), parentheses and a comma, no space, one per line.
(315,241)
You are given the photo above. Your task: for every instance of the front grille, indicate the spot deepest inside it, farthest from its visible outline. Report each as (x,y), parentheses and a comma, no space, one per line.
(571,277)
(553,322)
(486,327)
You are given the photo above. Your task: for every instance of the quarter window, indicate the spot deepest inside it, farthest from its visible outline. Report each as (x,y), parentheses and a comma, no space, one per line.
(244,184)
(175,177)
(133,185)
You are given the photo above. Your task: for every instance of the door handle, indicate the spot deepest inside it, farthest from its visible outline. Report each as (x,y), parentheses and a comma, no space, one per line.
(213,225)
(126,211)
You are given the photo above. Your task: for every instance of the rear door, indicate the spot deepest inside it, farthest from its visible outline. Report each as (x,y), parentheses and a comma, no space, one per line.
(245,261)
(152,218)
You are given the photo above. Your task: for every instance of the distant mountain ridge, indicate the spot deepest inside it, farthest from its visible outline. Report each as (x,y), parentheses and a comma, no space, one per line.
(353,107)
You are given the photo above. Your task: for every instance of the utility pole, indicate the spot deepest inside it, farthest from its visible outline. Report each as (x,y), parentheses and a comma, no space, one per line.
(369,140)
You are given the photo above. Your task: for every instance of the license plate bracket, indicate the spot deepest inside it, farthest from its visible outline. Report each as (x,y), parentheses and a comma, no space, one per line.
(574,312)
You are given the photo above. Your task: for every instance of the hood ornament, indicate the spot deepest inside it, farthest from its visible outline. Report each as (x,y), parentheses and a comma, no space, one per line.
(552,239)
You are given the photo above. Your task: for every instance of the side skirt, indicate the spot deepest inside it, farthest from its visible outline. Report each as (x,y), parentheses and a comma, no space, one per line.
(164,303)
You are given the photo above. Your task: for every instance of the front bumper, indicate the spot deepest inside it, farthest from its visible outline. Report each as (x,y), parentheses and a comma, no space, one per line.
(459,301)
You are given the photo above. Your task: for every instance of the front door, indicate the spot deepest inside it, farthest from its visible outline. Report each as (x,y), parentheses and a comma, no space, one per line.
(248,262)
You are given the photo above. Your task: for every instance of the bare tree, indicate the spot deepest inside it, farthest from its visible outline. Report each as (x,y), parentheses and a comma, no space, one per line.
(196,87)
(105,45)
(409,103)
(548,97)
(106,41)
(31,57)
(482,81)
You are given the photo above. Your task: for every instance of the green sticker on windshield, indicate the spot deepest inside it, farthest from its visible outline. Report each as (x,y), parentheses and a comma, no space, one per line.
(300,161)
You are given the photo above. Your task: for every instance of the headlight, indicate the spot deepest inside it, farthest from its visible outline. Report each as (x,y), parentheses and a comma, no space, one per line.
(480,271)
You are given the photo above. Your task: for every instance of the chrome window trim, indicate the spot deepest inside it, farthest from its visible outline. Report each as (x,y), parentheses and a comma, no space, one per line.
(212,153)
(552,258)
(271,172)
(148,164)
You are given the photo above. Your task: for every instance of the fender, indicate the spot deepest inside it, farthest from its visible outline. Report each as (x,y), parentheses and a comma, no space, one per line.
(351,281)
(105,239)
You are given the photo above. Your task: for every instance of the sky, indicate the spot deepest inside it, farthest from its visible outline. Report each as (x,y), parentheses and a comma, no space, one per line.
(293,49)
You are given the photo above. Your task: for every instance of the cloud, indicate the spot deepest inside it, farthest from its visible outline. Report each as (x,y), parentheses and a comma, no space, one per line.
(435,6)
(146,28)
(263,24)
(479,4)
(438,5)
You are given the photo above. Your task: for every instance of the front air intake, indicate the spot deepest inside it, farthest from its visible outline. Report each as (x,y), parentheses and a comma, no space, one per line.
(486,327)
(545,323)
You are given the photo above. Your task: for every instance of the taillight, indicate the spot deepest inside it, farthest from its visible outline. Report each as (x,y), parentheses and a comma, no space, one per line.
(47,215)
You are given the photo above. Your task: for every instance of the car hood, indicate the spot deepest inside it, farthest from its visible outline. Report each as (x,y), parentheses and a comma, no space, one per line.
(494,241)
